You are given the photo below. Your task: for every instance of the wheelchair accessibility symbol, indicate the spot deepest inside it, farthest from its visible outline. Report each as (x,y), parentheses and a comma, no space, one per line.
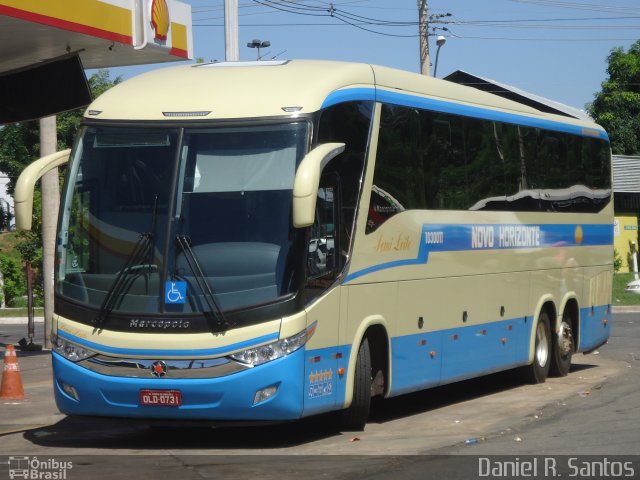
(175,292)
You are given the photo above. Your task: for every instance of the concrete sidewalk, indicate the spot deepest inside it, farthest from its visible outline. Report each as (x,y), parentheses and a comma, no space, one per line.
(38,408)
(19,320)
(627,309)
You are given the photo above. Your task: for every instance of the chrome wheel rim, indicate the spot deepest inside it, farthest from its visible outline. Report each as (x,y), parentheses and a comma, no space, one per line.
(542,345)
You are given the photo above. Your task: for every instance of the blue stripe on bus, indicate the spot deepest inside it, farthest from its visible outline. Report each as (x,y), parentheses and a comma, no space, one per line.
(595,327)
(455,238)
(408,100)
(429,359)
(350,95)
(231,397)
(460,352)
(324,388)
(188,353)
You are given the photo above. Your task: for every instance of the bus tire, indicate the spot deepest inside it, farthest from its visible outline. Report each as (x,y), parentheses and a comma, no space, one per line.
(354,417)
(563,344)
(537,372)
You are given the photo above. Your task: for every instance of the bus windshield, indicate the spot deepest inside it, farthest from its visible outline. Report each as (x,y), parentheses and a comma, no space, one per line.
(171,220)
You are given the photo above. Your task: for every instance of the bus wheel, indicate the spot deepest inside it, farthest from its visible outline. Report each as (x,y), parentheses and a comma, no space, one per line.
(562,350)
(537,372)
(354,417)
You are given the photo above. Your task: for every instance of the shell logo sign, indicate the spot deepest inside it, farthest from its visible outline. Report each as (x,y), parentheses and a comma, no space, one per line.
(160,19)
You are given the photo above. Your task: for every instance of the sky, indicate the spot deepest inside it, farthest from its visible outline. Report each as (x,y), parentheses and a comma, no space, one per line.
(553,48)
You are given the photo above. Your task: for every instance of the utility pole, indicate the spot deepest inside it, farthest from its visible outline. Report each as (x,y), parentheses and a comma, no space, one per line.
(424,20)
(423,30)
(50,185)
(231,31)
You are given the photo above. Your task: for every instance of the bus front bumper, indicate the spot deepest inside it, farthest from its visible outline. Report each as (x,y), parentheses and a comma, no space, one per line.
(238,396)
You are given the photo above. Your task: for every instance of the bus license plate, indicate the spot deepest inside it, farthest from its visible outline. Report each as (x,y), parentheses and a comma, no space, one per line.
(161,398)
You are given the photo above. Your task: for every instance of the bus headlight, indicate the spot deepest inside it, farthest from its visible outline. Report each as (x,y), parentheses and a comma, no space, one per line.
(70,350)
(272,351)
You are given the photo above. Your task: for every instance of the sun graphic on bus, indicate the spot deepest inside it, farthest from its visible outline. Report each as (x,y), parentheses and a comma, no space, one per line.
(160,18)
(579,235)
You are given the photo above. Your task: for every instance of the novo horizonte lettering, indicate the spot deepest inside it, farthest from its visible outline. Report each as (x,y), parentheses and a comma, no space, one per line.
(507,236)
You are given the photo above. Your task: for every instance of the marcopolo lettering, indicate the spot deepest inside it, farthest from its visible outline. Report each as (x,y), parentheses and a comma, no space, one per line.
(158,324)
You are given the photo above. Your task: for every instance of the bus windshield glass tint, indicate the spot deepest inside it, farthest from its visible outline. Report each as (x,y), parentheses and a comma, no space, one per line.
(132,192)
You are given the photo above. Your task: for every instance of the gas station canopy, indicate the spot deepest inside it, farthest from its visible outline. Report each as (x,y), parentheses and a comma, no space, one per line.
(45,45)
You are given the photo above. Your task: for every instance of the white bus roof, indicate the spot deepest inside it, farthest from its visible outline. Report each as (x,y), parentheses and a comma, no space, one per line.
(276,88)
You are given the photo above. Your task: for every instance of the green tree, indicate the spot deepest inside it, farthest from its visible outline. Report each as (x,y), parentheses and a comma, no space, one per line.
(617,106)
(5,218)
(15,284)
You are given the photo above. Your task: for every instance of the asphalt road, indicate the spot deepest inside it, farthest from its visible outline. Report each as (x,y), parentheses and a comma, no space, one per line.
(604,421)
(439,433)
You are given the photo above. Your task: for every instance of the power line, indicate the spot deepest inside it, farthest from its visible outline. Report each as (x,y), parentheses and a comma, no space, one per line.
(353,24)
(449,34)
(581,19)
(266,3)
(550,27)
(297,7)
(484,23)
(370,24)
(348,18)
(543,39)
(580,6)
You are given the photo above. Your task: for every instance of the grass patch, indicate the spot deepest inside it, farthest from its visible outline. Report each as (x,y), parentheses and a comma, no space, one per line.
(620,297)
(20,312)
(8,242)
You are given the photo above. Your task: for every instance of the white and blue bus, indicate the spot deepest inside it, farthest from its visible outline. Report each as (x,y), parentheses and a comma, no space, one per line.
(268,241)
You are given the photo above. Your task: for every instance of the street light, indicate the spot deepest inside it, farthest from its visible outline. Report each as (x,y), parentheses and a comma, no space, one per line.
(255,43)
(440,41)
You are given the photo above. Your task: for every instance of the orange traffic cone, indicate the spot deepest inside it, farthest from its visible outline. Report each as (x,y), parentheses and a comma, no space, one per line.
(11,382)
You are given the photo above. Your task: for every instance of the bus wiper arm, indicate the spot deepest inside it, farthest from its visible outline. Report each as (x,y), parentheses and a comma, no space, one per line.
(214,309)
(140,250)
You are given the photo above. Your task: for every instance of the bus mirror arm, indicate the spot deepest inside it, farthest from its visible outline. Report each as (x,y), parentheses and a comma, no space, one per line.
(23,196)
(307,181)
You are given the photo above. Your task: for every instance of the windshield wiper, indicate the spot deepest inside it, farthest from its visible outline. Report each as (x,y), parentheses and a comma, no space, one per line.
(215,312)
(140,252)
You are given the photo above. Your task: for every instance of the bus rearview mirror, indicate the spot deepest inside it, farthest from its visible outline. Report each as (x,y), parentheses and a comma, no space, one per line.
(23,196)
(307,181)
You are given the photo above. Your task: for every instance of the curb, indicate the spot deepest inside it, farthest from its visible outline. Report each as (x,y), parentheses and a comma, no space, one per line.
(19,320)
(626,309)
